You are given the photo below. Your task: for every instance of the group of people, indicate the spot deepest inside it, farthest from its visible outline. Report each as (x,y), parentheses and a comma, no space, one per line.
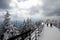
(50,24)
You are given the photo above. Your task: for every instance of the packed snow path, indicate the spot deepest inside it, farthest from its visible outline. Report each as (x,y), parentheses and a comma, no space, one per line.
(49,33)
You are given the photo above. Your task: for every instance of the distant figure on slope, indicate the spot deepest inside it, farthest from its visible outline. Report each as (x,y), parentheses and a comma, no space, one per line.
(51,24)
(47,24)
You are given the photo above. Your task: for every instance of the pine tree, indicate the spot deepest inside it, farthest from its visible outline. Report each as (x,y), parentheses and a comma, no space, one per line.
(7,19)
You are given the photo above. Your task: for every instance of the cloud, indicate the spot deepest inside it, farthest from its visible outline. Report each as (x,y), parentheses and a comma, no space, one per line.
(51,7)
(29,3)
(35,10)
(21,14)
(7,4)
(23,10)
(22,0)
(4,4)
(31,8)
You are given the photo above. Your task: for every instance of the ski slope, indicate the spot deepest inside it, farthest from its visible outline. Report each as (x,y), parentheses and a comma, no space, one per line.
(50,33)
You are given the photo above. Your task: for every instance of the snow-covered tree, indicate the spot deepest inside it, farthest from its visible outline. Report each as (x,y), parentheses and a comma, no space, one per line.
(7,19)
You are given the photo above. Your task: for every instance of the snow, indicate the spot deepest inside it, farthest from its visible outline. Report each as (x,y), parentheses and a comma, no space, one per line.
(49,33)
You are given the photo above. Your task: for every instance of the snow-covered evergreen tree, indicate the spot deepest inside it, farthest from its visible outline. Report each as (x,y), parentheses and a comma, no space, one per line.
(7,19)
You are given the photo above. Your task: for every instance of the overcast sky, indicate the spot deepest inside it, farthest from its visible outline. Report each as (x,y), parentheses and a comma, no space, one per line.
(35,9)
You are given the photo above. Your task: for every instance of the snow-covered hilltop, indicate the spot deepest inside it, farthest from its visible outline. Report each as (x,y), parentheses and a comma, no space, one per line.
(50,33)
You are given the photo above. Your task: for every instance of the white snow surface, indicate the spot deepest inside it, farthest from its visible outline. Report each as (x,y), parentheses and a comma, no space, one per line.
(49,33)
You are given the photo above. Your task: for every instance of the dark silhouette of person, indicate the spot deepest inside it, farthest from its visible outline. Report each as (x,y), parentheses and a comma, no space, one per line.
(47,24)
(51,24)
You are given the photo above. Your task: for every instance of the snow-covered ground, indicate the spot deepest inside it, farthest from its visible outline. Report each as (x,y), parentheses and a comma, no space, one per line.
(49,33)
